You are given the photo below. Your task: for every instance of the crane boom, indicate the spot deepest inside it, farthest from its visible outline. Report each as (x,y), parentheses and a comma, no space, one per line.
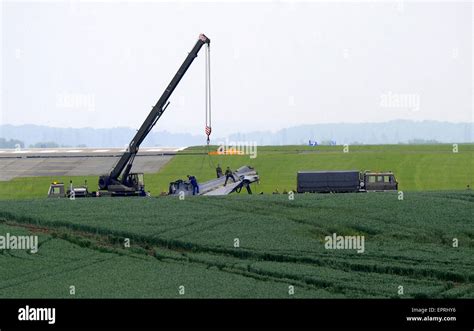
(119,179)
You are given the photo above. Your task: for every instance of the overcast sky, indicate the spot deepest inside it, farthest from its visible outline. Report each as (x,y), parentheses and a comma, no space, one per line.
(274,64)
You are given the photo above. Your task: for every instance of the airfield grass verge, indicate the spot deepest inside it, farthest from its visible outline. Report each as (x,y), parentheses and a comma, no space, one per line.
(417,167)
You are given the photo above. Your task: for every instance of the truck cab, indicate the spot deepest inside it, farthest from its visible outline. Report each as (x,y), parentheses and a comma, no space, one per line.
(56,190)
(380,181)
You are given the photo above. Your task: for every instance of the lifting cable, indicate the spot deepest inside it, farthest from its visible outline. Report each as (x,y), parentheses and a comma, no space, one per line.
(208,128)
(208,93)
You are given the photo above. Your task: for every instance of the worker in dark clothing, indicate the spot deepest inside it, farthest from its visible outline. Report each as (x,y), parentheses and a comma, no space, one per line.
(194,183)
(228,174)
(219,171)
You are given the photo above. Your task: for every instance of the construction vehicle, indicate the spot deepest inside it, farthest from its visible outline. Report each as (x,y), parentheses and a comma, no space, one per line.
(345,181)
(57,190)
(121,181)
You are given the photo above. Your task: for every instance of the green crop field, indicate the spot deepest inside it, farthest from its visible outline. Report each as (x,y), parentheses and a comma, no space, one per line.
(423,244)
(257,246)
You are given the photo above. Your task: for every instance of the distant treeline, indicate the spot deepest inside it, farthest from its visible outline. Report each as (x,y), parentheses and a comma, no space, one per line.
(48,144)
(11,143)
(15,144)
(392,132)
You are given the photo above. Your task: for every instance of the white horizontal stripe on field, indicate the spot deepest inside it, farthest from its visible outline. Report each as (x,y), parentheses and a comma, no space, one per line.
(90,150)
(153,150)
(48,151)
(162,149)
(159,149)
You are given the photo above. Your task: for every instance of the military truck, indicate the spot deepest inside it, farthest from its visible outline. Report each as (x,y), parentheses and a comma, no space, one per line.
(345,181)
(379,181)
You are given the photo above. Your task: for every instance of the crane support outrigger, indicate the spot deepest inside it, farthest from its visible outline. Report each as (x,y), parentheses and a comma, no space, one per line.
(120,181)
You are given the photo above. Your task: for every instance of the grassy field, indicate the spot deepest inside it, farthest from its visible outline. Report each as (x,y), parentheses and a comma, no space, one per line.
(191,243)
(417,167)
(37,187)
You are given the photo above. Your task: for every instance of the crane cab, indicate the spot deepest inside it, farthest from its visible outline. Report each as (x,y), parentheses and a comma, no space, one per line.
(136,181)
(132,184)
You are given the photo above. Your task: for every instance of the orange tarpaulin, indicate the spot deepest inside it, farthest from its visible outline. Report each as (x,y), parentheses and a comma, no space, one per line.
(227,152)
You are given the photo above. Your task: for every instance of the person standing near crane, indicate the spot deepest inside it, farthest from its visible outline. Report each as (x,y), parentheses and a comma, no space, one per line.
(228,174)
(194,183)
(219,171)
